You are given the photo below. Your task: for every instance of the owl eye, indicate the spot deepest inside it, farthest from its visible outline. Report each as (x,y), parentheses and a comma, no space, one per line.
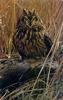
(35,29)
(40,28)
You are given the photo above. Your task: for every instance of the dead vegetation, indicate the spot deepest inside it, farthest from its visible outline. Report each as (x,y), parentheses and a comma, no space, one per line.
(50,12)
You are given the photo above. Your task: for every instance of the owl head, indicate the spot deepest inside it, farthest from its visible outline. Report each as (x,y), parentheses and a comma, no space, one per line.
(29,21)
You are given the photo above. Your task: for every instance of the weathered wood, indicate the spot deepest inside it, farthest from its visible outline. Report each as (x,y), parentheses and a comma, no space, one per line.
(13,73)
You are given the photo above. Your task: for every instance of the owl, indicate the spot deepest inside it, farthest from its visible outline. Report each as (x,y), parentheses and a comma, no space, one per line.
(29,38)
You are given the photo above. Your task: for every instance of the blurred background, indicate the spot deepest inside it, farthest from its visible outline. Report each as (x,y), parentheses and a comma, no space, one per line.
(50,11)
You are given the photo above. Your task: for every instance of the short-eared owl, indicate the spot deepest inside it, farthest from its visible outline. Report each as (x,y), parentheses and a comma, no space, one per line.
(28,38)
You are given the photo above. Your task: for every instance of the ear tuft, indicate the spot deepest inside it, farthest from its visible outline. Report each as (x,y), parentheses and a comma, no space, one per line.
(25,11)
(33,11)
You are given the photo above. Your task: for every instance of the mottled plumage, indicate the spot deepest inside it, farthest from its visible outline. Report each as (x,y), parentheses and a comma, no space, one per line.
(29,39)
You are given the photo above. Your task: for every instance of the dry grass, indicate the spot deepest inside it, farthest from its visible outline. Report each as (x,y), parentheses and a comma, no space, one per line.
(10,10)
